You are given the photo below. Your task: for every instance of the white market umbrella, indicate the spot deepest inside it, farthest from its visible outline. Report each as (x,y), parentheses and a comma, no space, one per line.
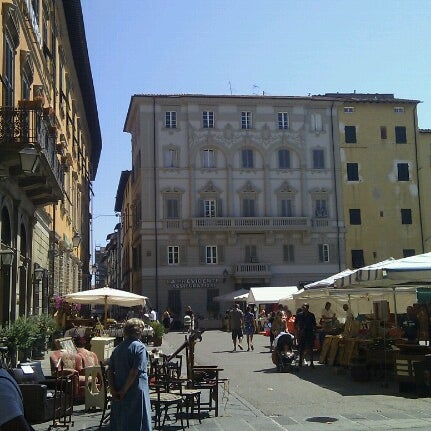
(237,295)
(106,296)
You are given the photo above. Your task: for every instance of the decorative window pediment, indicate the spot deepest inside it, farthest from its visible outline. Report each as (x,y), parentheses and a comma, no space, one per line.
(172,190)
(285,189)
(170,156)
(209,189)
(319,191)
(249,188)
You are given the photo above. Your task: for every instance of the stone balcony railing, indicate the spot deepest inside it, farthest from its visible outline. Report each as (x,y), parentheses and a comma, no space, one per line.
(249,269)
(250,223)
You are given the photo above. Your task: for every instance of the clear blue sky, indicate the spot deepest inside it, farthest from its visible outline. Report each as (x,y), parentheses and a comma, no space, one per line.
(281,47)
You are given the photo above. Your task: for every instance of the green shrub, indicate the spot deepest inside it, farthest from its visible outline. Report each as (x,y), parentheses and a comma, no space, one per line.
(158,328)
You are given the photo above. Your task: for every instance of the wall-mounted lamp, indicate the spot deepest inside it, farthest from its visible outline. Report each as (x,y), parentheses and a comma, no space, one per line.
(29,159)
(76,240)
(6,256)
(225,275)
(38,273)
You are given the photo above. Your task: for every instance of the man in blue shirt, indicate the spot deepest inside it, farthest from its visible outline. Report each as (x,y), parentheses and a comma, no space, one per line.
(410,325)
(11,407)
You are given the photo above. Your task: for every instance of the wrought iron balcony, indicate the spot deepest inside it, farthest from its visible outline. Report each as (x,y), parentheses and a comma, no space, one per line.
(250,224)
(30,126)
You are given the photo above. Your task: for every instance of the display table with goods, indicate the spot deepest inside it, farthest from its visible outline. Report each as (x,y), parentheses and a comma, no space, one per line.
(116,331)
(408,356)
(365,347)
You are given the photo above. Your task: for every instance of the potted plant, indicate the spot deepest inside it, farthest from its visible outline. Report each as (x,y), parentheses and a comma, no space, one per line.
(44,325)
(21,335)
(158,331)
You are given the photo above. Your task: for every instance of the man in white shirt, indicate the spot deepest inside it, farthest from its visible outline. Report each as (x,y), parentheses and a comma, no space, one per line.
(349,314)
(153,314)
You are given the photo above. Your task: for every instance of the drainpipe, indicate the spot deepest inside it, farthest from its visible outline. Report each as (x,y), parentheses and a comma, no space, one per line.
(417,176)
(155,205)
(335,186)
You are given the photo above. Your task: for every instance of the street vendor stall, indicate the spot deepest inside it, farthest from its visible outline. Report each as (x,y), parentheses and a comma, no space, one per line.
(269,295)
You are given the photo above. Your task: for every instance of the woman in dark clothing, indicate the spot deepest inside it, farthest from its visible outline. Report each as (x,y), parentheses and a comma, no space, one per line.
(305,325)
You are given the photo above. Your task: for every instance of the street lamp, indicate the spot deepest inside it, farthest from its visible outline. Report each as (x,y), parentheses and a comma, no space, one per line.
(29,159)
(76,240)
(6,256)
(38,273)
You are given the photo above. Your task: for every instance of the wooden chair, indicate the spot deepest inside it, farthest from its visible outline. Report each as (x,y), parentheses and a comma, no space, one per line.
(162,399)
(203,377)
(106,413)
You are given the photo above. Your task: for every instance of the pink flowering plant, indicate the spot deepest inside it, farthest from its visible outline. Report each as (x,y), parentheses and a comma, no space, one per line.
(64,307)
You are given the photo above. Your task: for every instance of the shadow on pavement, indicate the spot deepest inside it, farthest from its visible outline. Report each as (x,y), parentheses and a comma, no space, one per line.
(339,380)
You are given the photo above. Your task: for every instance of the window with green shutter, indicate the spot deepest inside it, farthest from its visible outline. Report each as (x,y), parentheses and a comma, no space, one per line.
(350,134)
(400,135)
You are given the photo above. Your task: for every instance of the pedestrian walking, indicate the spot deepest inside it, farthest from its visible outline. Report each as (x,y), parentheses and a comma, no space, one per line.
(189,319)
(305,325)
(249,327)
(236,318)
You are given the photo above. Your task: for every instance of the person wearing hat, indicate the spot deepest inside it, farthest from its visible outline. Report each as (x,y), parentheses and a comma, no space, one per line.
(305,325)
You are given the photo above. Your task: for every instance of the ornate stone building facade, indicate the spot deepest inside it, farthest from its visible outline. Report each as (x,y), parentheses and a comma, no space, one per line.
(229,192)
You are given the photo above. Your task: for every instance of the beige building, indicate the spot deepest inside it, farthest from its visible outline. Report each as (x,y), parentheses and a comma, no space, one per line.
(229,192)
(424,175)
(50,145)
(383,195)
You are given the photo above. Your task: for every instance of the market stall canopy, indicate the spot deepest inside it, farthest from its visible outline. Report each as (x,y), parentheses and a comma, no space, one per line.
(390,272)
(239,295)
(330,281)
(360,299)
(269,295)
(412,268)
(106,296)
(369,275)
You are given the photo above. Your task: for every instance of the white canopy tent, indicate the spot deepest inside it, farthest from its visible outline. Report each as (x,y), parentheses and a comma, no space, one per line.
(366,275)
(239,295)
(360,299)
(412,268)
(390,272)
(269,295)
(329,281)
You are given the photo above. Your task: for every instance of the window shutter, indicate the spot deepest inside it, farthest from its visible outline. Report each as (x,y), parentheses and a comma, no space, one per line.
(219,208)
(400,135)
(285,253)
(201,208)
(292,252)
(220,253)
(163,255)
(320,252)
(350,134)
(318,118)
(202,258)
(183,255)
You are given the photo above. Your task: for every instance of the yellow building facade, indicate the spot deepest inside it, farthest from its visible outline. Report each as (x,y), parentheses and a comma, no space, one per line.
(379,153)
(424,164)
(50,145)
